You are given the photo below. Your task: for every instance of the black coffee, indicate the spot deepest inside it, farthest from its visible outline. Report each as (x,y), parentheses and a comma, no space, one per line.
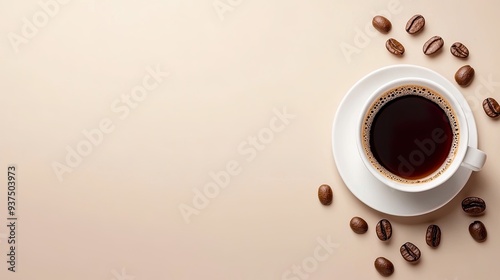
(411,132)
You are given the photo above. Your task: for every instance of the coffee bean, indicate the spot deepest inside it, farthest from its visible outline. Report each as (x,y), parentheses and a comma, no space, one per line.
(478,231)
(464,75)
(459,50)
(384,230)
(415,24)
(325,194)
(410,252)
(491,107)
(473,205)
(358,225)
(433,236)
(382,24)
(384,266)
(395,47)
(433,45)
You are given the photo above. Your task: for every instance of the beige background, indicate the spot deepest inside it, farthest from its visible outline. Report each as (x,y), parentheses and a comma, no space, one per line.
(116,215)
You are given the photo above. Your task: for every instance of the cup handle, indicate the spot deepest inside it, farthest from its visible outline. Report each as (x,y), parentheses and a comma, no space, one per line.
(474,159)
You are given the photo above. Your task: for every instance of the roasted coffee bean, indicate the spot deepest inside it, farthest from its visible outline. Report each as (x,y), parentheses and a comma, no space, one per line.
(459,50)
(325,194)
(464,75)
(478,231)
(415,24)
(395,47)
(433,236)
(410,252)
(384,266)
(382,24)
(491,107)
(433,45)
(384,230)
(473,205)
(358,225)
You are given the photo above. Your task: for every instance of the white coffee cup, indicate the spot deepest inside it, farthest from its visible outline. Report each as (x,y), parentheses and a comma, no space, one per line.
(459,154)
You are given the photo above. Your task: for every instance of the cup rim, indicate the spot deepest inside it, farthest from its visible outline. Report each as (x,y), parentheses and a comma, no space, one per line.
(462,137)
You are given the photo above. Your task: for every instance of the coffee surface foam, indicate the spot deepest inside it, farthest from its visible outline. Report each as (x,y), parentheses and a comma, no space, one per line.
(393,94)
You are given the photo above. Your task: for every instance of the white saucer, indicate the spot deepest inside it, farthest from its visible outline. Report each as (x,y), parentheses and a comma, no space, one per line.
(352,170)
